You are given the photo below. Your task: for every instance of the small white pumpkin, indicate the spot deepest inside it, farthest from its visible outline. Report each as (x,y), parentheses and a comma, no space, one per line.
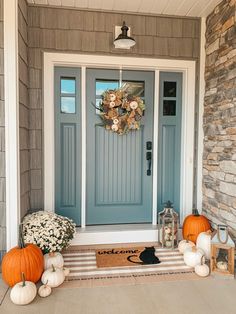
(222,265)
(66,271)
(193,256)
(53,258)
(23,292)
(53,277)
(44,291)
(185,244)
(202,270)
(204,243)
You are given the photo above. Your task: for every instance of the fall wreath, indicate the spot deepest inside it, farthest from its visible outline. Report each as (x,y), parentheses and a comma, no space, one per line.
(121,112)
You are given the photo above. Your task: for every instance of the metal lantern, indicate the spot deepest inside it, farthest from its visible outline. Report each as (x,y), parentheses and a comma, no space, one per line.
(168,222)
(222,252)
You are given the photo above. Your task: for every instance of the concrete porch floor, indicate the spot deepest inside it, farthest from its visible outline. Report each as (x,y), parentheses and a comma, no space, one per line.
(182,297)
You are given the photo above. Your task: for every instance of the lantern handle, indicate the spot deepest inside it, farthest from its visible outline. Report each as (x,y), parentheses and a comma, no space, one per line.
(169,204)
(222,227)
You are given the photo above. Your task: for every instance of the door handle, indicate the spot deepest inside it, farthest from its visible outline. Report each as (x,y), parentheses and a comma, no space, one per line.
(149,160)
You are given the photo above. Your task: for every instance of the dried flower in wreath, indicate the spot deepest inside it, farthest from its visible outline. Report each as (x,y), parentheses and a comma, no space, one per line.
(120,112)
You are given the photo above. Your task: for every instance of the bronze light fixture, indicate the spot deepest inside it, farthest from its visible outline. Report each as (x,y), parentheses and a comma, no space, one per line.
(123,41)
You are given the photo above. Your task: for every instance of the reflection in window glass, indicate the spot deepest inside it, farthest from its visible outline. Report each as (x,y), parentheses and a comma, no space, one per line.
(67,104)
(134,88)
(169,108)
(102,86)
(67,86)
(169,89)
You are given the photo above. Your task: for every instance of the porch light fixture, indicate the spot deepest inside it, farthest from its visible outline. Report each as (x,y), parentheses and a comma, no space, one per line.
(123,41)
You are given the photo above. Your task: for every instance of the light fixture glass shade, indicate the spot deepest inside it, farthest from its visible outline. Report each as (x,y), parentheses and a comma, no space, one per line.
(123,41)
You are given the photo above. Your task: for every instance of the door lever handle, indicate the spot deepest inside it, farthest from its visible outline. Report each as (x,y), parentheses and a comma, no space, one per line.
(149,159)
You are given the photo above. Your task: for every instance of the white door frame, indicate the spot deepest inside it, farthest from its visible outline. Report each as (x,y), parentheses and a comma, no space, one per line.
(11,94)
(98,61)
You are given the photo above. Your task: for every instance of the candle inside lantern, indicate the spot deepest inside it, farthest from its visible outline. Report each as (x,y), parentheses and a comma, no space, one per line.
(168,243)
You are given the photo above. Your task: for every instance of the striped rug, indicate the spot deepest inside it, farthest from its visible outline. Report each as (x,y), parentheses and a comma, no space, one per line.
(83,268)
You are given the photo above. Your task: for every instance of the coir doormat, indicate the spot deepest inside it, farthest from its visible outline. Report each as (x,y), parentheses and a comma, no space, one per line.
(119,266)
(127,257)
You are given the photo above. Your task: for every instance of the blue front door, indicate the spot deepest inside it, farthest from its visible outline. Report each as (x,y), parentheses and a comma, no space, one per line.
(118,187)
(118,184)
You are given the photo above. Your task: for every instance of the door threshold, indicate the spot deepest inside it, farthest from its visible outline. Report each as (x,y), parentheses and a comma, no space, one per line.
(111,234)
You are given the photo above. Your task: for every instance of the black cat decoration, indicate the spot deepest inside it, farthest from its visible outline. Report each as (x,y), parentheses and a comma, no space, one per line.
(147,257)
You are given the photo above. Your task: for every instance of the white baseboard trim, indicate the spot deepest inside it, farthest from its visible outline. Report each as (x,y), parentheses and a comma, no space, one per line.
(111,234)
(110,237)
(116,234)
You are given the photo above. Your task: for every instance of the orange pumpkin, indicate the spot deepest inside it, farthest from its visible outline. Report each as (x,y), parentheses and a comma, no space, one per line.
(27,259)
(193,225)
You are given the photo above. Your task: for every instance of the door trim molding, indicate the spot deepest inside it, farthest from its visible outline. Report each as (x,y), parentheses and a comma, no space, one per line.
(155,146)
(83,143)
(200,114)
(186,67)
(11,94)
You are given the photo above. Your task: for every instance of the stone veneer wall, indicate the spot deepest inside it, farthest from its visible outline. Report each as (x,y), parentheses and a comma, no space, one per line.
(91,32)
(24,119)
(2,143)
(219,160)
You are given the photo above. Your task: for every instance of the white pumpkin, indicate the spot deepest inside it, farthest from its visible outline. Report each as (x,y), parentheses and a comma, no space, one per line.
(44,291)
(54,258)
(202,270)
(185,244)
(204,243)
(53,277)
(66,271)
(193,256)
(222,265)
(23,292)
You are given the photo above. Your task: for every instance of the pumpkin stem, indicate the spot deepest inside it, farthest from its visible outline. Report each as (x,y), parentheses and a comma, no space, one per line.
(202,263)
(21,238)
(53,268)
(195,212)
(23,279)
